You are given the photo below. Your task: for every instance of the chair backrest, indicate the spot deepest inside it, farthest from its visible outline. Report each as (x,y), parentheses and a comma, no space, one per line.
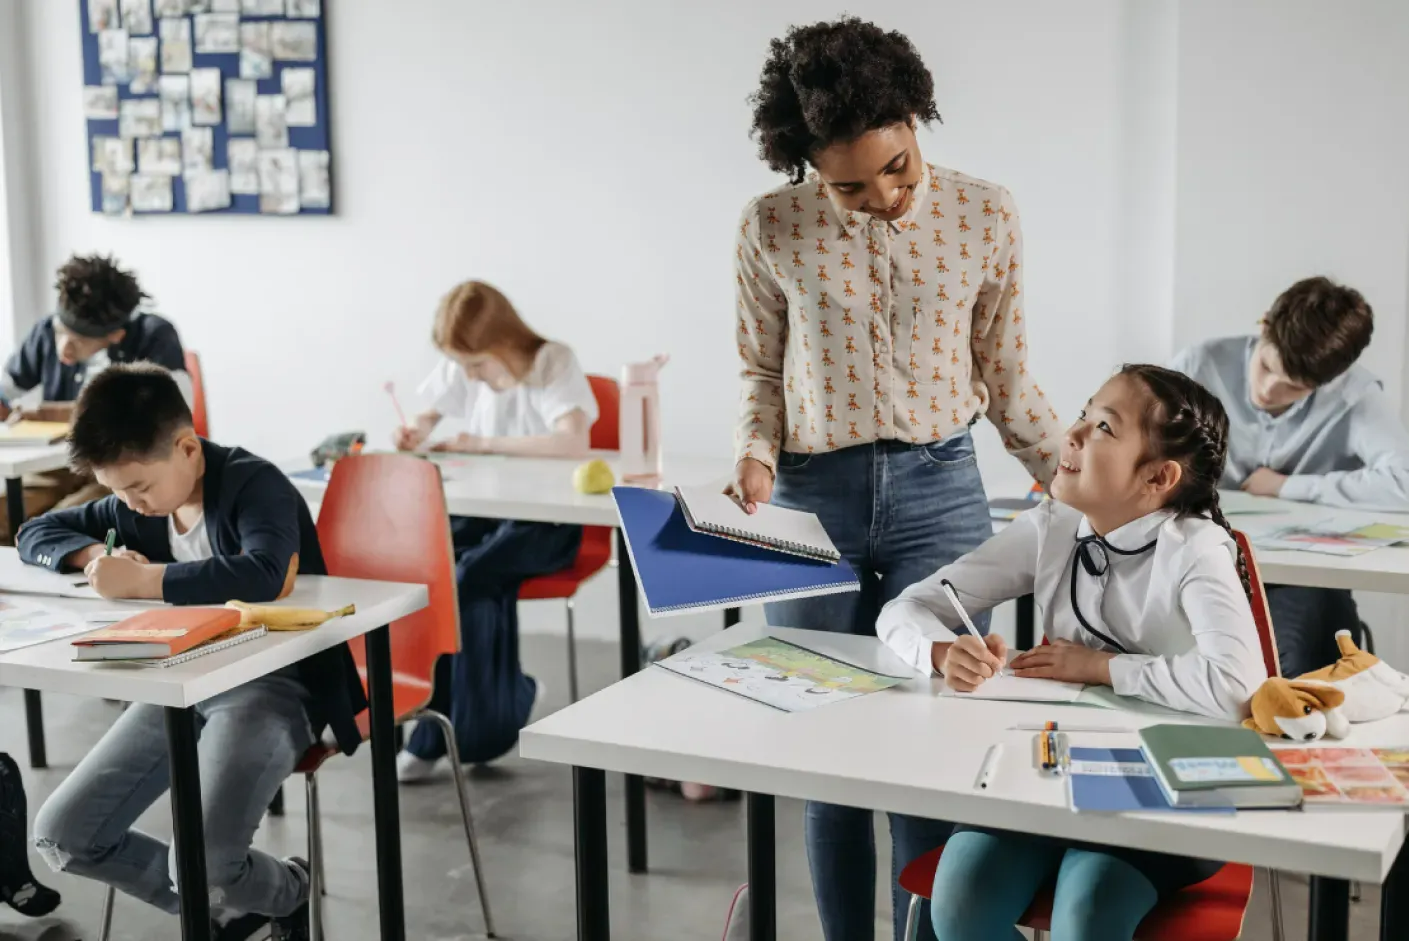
(383,517)
(1261,613)
(198,412)
(606,430)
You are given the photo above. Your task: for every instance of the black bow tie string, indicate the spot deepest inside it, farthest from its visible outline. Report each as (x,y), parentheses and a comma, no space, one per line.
(1093,554)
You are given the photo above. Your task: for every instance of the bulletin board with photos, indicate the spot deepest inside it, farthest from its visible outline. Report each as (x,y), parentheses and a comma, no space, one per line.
(207,106)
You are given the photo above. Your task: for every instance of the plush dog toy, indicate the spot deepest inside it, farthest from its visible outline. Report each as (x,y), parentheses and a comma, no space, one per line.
(1358,687)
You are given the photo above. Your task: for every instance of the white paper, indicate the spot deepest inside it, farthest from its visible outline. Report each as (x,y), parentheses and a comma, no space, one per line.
(262,7)
(139,117)
(176,45)
(197,149)
(278,182)
(25,624)
(301,105)
(208,192)
(171,8)
(116,187)
(103,14)
(137,17)
(294,42)
(197,6)
(159,155)
(777,526)
(112,56)
(305,9)
(151,193)
(225,6)
(1021,689)
(256,56)
(271,127)
(175,92)
(205,97)
(315,188)
(239,105)
(142,64)
(217,33)
(113,155)
(242,154)
(100,102)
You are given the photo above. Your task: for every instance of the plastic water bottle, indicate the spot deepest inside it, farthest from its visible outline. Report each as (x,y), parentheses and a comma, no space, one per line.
(640,422)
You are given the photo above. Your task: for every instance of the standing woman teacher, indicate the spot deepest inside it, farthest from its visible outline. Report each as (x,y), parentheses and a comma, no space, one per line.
(880,312)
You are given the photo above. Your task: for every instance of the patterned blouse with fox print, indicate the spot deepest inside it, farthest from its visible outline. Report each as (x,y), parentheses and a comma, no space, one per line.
(853,330)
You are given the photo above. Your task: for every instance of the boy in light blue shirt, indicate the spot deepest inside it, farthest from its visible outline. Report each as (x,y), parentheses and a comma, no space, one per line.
(1307,423)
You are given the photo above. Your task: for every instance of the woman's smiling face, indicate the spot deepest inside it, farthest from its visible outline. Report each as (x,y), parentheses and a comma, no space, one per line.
(876,173)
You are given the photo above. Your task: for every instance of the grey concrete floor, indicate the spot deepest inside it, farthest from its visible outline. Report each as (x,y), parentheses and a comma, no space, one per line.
(524,813)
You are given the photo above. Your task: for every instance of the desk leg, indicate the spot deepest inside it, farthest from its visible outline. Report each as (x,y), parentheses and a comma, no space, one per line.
(386,812)
(763,906)
(589,812)
(1025,632)
(732,616)
(1394,900)
(33,705)
(1329,916)
(34,723)
(631,663)
(188,825)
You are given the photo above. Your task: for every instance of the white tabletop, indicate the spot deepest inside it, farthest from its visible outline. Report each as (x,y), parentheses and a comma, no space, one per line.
(50,666)
(910,751)
(540,489)
(18,460)
(1385,570)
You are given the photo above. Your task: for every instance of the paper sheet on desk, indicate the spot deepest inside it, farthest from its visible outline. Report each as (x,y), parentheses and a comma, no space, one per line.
(1022,689)
(33,580)
(24,624)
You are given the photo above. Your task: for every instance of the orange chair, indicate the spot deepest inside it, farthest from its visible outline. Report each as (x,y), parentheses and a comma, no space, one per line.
(198,413)
(383,517)
(596,549)
(1212,910)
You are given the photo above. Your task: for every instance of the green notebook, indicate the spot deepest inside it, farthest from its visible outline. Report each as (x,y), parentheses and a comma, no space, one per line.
(1217,766)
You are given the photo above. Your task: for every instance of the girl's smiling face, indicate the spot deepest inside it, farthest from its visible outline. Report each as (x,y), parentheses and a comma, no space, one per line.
(1105,472)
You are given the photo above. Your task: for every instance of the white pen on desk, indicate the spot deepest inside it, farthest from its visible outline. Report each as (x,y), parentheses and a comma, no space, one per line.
(990,765)
(948,588)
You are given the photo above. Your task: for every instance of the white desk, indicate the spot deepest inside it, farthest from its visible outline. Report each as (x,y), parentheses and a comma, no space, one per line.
(15,462)
(178,688)
(908,751)
(540,490)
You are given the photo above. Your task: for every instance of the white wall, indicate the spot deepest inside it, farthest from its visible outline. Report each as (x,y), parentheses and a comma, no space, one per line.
(592,160)
(17,218)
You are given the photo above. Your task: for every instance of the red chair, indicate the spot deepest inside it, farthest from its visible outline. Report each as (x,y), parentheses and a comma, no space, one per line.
(198,412)
(1212,910)
(596,549)
(383,517)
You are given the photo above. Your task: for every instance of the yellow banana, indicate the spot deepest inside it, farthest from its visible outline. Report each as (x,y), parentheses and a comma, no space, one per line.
(277,618)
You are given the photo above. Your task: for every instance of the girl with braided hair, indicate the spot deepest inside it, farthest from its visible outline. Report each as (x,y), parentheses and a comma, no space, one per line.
(1142,588)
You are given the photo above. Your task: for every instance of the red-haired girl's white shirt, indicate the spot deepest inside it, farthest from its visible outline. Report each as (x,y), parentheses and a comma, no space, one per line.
(554,387)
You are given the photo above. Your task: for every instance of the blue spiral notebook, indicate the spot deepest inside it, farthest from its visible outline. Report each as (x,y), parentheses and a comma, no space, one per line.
(680,570)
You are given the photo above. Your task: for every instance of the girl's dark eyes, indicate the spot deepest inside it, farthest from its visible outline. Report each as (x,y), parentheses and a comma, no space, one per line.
(1105,427)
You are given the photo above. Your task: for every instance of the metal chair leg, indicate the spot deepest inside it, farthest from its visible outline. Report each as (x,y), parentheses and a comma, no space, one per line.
(912,918)
(1355,891)
(572,652)
(1368,636)
(448,730)
(105,920)
(315,857)
(1274,883)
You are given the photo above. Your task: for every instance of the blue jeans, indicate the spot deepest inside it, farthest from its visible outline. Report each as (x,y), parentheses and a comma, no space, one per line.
(1305,621)
(898,513)
(986,881)
(483,688)
(251,738)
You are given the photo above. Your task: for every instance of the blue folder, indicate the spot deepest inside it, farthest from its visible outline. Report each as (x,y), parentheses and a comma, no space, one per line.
(680,570)
(1117,793)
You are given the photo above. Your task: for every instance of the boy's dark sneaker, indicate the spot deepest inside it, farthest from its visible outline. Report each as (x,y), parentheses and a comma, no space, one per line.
(18,888)
(243,928)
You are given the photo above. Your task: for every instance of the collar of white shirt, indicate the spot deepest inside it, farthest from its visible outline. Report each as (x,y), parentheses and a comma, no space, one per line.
(844,215)
(1134,535)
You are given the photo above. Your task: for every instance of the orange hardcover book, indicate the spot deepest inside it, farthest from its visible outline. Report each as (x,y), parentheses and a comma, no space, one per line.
(160,632)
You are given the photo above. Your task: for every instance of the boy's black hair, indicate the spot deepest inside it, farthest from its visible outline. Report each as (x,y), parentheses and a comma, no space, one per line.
(1187,424)
(1319,329)
(832,82)
(96,297)
(131,411)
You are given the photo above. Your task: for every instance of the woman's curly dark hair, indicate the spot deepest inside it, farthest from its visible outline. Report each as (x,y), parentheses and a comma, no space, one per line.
(95,290)
(832,82)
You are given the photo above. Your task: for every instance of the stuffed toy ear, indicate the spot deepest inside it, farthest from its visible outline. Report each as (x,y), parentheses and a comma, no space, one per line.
(1325,696)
